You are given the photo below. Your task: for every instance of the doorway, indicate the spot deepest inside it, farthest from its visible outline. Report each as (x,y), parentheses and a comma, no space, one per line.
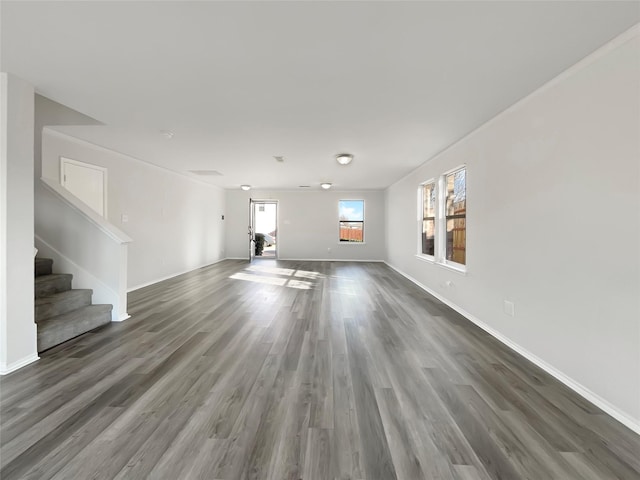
(264,225)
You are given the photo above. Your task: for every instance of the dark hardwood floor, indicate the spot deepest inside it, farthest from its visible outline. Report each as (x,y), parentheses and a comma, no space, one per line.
(288,370)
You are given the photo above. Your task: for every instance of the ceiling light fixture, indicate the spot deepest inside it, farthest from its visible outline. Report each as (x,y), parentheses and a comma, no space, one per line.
(245,187)
(344,158)
(325,185)
(166,134)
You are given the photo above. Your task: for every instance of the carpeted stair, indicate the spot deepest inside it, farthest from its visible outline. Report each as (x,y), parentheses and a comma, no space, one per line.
(61,312)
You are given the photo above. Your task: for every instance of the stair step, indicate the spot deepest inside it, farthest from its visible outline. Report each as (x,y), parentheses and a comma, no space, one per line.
(47,285)
(59,329)
(63,302)
(43,266)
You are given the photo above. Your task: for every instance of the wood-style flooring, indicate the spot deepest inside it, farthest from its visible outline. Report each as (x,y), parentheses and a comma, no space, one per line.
(298,370)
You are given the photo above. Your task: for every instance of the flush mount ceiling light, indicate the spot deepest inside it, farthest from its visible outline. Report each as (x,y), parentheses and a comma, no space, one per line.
(344,158)
(245,187)
(325,185)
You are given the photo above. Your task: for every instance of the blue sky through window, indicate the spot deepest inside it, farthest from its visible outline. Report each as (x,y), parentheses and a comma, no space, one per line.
(352,210)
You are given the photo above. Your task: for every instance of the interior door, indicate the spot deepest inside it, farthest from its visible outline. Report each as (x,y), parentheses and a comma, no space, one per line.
(85,181)
(251,232)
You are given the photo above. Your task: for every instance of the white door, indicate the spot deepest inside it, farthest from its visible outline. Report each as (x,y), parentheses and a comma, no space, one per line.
(87,182)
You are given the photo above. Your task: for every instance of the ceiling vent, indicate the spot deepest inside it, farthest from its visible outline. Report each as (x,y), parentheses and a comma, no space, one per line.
(304,186)
(206,173)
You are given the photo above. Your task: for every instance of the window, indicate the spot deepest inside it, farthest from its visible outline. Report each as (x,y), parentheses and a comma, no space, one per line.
(456,215)
(351,215)
(442,217)
(428,218)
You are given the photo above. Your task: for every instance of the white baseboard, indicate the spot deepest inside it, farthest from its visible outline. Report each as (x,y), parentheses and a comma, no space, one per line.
(606,406)
(12,367)
(330,260)
(308,259)
(122,317)
(158,280)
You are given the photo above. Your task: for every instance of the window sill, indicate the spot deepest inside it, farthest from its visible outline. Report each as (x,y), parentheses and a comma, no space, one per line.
(458,269)
(352,243)
(462,270)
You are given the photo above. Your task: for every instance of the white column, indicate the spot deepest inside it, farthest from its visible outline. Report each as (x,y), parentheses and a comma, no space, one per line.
(18,334)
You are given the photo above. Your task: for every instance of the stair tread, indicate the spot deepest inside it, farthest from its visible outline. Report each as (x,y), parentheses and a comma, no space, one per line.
(60,296)
(63,302)
(43,260)
(52,277)
(47,285)
(77,314)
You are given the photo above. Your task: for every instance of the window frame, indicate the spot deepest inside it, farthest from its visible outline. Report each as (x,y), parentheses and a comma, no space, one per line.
(445,261)
(440,233)
(421,220)
(348,242)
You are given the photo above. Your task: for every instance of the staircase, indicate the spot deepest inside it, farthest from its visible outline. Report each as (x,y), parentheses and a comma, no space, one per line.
(63,313)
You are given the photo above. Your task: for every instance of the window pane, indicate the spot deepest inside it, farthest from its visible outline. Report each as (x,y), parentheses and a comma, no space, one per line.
(456,212)
(429,200)
(428,230)
(456,192)
(352,210)
(428,218)
(351,231)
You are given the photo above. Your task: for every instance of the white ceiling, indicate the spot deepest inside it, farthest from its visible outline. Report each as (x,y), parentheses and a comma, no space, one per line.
(239,82)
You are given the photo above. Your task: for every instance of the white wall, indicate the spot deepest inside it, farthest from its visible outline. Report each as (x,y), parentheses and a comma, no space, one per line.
(17,326)
(175,222)
(308,224)
(553,225)
(50,113)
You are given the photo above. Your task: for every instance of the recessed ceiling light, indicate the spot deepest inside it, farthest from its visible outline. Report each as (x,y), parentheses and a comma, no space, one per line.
(326,185)
(279,159)
(166,134)
(344,158)
(304,186)
(245,187)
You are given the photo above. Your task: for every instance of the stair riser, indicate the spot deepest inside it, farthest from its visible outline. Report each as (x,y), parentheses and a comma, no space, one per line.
(50,337)
(49,310)
(43,268)
(56,285)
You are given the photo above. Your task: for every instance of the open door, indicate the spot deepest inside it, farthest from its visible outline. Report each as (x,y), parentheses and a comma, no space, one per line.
(252,238)
(263,221)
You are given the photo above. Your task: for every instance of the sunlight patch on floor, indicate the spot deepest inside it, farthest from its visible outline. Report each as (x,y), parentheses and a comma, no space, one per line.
(277,281)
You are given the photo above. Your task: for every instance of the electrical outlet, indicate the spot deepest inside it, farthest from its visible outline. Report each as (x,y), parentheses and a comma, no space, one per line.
(509,308)
(329,249)
(124,218)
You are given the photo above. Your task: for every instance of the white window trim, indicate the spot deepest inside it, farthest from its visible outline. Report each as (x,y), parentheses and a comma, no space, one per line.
(364,221)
